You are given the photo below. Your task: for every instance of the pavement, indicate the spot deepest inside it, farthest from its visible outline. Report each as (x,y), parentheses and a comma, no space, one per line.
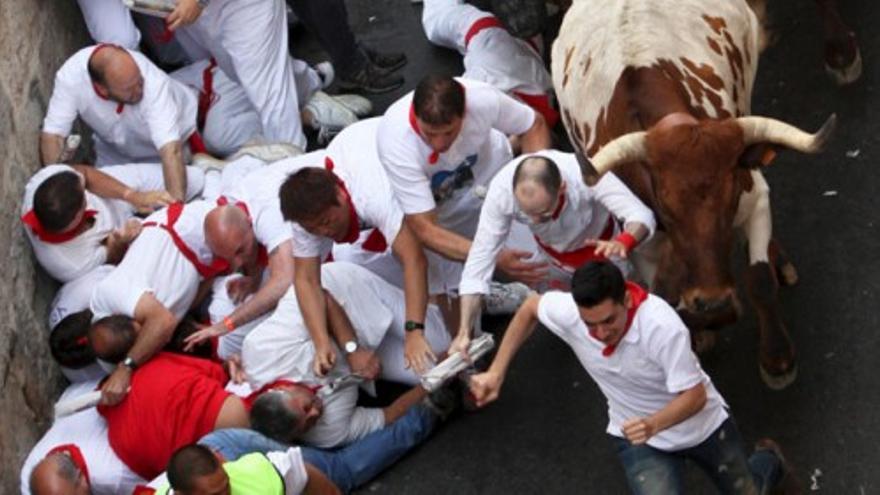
(546,432)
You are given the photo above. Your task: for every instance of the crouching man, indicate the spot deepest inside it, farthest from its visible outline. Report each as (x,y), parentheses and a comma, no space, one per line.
(663,409)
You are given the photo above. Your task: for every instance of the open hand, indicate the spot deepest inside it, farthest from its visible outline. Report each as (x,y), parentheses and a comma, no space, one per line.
(417,354)
(149,201)
(608,248)
(116,387)
(325,359)
(511,262)
(186,13)
(204,333)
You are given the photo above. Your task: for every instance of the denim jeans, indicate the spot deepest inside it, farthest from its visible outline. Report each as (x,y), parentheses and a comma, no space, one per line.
(722,456)
(348,467)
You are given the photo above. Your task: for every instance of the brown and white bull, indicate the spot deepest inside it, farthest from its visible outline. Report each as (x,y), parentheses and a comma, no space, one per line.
(659,91)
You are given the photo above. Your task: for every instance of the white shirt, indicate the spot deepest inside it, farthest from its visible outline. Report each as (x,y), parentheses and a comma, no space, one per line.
(421,186)
(584,217)
(154,264)
(652,364)
(88,431)
(356,163)
(166,113)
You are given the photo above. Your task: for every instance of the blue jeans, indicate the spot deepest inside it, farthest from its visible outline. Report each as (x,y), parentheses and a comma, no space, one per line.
(722,457)
(348,467)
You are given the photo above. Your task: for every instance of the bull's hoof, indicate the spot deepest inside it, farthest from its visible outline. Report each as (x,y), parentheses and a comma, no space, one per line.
(778,381)
(704,341)
(788,275)
(848,71)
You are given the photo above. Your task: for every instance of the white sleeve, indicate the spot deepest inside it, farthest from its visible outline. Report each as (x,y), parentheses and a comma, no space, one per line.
(494,227)
(622,203)
(270,228)
(160,109)
(62,111)
(292,468)
(410,183)
(669,343)
(514,118)
(555,312)
(386,215)
(115,297)
(65,264)
(306,245)
(364,420)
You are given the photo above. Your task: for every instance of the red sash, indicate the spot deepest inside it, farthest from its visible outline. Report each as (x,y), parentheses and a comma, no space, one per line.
(206,95)
(216,267)
(576,258)
(30,219)
(75,456)
(375,242)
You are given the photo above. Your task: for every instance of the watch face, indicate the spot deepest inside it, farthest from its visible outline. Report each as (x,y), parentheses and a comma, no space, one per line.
(350,346)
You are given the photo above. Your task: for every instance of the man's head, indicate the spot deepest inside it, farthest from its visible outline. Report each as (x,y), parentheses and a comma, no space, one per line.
(60,202)
(438,103)
(312,198)
(112,337)
(115,75)
(538,188)
(599,290)
(69,342)
(58,474)
(230,236)
(285,413)
(196,470)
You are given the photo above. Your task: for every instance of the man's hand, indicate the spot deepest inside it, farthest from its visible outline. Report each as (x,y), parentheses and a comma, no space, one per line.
(510,261)
(365,363)
(118,240)
(325,359)
(608,248)
(639,430)
(186,13)
(485,387)
(148,201)
(204,333)
(234,369)
(239,288)
(116,386)
(417,354)
(460,345)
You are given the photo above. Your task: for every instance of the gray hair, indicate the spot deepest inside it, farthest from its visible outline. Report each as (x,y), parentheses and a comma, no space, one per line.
(272,416)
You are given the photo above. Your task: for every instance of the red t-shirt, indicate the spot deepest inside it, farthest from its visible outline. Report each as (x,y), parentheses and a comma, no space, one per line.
(174,400)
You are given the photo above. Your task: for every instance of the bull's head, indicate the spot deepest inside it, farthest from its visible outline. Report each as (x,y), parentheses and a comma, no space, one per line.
(698,171)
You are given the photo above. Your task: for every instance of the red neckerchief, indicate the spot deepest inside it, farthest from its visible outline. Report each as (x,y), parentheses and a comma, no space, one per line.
(637,296)
(75,456)
(30,219)
(98,48)
(262,254)
(206,95)
(354,221)
(559,207)
(252,397)
(432,159)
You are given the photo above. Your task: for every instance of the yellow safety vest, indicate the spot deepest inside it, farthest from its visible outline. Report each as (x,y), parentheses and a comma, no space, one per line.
(251,474)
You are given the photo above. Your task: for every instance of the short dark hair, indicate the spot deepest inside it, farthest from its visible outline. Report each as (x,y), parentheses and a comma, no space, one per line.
(271,416)
(596,281)
(307,193)
(69,343)
(119,329)
(185,328)
(57,201)
(438,100)
(546,173)
(189,463)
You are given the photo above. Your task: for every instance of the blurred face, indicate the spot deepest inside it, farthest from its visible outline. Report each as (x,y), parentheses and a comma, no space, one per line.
(216,483)
(332,222)
(536,203)
(307,405)
(440,137)
(46,480)
(124,82)
(240,250)
(606,321)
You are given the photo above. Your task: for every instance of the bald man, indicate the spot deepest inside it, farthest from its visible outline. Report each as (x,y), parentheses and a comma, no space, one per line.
(137,112)
(572,223)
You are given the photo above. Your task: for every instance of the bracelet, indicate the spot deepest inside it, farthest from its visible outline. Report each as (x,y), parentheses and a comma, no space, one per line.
(227,322)
(628,240)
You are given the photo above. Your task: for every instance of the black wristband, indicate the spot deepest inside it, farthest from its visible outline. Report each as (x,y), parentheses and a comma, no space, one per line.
(410,326)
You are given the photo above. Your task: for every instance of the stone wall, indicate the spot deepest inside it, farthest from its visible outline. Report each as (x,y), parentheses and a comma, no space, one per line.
(36,36)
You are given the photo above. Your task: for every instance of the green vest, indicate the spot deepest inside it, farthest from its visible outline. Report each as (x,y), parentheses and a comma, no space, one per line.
(251,474)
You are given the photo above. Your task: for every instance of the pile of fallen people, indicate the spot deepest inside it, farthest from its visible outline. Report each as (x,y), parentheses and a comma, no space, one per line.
(228,299)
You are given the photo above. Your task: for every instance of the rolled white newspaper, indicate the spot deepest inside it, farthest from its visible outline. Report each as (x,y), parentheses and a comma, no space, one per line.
(77,404)
(70,146)
(157,8)
(455,364)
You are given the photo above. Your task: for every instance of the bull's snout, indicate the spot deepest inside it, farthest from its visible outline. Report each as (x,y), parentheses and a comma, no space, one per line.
(712,304)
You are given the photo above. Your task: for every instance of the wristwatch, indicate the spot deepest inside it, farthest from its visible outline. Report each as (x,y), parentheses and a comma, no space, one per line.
(129,363)
(410,326)
(351,346)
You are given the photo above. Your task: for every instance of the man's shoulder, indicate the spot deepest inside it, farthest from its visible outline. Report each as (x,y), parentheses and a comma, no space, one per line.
(656,315)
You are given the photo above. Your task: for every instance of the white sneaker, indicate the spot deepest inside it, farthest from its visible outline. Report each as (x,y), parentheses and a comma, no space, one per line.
(358,105)
(505,299)
(326,72)
(267,152)
(327,112)
(207,162)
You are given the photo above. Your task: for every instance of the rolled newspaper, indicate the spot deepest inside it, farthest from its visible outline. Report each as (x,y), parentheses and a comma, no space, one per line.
(455,364)
(70,146)
(157,8)
(77,404)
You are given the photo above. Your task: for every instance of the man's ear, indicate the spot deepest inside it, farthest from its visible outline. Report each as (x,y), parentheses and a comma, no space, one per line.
(758,155)
(101,90)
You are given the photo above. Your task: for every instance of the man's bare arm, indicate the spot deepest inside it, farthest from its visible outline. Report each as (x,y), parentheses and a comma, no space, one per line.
(310,295)
(51,148)
(267,296)
(173,169)
(537,138)
(436,238)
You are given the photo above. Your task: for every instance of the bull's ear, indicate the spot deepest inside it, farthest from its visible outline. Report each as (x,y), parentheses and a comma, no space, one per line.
(758,155)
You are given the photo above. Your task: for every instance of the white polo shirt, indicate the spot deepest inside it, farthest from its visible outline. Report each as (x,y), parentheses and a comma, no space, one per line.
(356,163)
(423,180)
(584,216)
(88,431)
(652,364)
(166,113)
(154,264)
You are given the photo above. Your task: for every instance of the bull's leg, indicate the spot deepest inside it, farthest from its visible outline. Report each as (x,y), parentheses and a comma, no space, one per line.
(776,351)
(786,273)
(843,62)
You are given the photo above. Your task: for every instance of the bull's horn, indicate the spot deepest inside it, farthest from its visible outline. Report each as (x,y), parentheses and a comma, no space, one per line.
(624,149)
(767,130)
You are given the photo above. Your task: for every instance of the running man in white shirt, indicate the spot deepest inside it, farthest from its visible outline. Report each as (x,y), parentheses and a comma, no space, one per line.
(78,217)
(662,407)
(491,54)
(572,223)
(440,145)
